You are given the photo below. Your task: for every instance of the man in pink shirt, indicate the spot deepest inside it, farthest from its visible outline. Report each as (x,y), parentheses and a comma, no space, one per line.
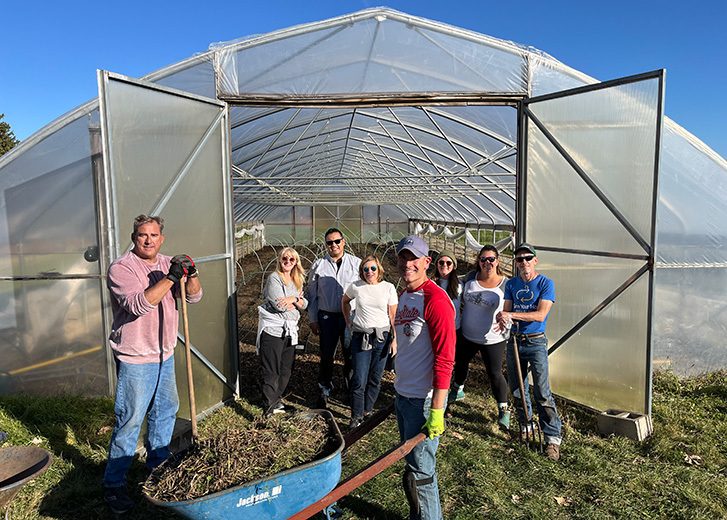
(425,337)
(143,285)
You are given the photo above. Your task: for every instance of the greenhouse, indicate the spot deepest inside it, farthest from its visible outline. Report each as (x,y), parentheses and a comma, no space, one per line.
(381,124)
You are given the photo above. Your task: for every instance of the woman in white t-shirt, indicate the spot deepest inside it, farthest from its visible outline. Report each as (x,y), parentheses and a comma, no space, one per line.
(482,298)
(371,325)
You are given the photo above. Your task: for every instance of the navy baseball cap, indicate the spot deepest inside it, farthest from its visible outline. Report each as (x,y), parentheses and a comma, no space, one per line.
(414,244)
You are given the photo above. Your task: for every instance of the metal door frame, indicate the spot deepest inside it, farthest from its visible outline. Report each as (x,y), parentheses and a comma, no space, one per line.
(525,115)
(109,238)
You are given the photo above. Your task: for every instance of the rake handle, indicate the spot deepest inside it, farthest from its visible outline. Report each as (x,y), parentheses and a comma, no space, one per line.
(188,355)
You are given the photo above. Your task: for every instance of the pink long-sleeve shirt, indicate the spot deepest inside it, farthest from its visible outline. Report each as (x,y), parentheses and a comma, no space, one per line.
(142,332)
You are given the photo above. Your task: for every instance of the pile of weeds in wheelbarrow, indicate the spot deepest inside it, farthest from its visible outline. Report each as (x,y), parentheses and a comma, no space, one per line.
(237,456)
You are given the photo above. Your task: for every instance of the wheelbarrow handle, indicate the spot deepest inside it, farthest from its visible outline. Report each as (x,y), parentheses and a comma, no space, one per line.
(372,422)
(360,478)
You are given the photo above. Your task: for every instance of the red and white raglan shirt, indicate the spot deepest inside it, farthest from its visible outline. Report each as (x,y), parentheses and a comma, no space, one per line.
(425,339)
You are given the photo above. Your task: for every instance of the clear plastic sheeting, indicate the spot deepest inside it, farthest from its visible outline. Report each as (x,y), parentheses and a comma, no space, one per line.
(604,365)
(47,200)
(213,361)
(51,336)
(690,319)
(582,221)
(610,133)
(692,212)
(386,52)
(173,145)
(137,140)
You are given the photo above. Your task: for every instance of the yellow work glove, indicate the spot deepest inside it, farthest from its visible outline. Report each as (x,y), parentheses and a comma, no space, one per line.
(434,427)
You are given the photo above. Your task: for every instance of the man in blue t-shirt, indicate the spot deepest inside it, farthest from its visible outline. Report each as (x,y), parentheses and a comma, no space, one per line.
(528,300)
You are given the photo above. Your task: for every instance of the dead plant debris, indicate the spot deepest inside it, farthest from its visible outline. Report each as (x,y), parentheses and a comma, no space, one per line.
(237,456)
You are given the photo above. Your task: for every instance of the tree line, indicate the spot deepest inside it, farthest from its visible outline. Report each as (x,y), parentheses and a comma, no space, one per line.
(8,141)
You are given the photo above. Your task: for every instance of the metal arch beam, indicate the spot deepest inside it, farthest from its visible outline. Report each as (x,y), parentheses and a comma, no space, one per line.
(423,151)
(469,166)
(290,120)
(413,141)
(469,124)
(302,154)
(426,130)
(432,149)
(348,134)
(263,113)
(271,133)
(242,173)
(290,147)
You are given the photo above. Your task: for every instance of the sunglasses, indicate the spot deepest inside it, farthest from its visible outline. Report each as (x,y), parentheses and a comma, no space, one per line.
(287,259)
(445,262)
(526,258)
(331,242)
(490,259)
(367,269)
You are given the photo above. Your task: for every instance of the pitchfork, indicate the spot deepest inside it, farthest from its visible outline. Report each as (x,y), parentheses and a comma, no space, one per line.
(530,432)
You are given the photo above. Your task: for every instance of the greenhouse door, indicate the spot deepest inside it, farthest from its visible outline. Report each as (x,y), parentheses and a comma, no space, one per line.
(166,153)
(587,202)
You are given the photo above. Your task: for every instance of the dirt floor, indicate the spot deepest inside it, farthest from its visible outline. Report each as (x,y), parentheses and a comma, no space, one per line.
(303,389)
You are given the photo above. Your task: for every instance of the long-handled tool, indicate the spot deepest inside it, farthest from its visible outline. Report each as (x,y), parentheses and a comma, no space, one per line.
(188,354)
(530,427)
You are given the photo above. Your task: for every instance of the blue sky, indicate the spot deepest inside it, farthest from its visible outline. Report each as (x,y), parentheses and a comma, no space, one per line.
(52,49)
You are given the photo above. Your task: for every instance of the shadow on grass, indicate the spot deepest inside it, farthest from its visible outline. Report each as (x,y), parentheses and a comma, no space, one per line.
(363,508)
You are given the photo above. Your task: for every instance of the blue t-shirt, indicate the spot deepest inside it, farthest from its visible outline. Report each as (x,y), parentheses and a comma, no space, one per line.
(525,297)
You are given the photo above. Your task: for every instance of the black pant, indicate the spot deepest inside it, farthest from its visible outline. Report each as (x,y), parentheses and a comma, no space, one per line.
(332,327)
(276,357)
(493,355)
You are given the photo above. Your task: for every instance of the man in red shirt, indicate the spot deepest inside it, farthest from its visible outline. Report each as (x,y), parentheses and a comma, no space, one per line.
(425,336)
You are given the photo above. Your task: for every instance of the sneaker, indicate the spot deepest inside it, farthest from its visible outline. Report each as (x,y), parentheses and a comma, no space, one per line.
(355,422)
(456,394)
(274,410)
(503,419)
(552,451)
(118,500)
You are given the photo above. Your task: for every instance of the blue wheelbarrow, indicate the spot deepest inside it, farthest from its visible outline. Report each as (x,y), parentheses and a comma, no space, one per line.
(296,493)
(18,465)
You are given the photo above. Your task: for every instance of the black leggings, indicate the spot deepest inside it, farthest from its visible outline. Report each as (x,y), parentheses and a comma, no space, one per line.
(493,355)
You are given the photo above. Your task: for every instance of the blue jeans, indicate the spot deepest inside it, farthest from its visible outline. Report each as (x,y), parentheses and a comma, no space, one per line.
(534,357)
(147,390)
(368,367)
(411,414)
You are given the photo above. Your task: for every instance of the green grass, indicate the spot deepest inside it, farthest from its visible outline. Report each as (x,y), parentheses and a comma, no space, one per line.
(482,473)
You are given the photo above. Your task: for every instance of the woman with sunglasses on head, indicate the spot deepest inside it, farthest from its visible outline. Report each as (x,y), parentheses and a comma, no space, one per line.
(277,332)
(371,325)
(482,299)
